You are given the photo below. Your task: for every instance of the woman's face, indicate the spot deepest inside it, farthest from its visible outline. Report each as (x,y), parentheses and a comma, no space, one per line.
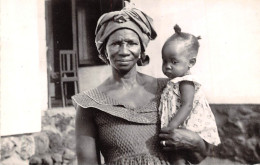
(123,49)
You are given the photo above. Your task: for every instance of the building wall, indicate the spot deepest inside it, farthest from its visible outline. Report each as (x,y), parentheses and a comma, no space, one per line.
(91,77)
(23,66)
(228,59)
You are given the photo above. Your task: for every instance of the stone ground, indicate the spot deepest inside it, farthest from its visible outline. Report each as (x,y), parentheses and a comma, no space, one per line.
(208,161)
(217,161)
(238,127)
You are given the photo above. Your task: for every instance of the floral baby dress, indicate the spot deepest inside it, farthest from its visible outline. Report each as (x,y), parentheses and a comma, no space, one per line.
(201,119)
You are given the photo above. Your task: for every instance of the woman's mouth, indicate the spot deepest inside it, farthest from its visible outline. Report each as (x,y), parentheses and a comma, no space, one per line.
(123,61)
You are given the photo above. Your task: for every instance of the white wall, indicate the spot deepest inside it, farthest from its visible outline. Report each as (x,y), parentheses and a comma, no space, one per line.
(23,66)
(229,56)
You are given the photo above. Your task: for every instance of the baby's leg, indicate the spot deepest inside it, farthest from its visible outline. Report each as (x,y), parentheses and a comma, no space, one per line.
(177,159)
(180,161)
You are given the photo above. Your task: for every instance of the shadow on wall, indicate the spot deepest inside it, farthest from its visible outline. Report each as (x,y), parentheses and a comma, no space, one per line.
(92,76)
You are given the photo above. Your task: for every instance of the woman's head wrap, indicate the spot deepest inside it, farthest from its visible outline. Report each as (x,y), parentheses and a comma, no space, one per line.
(127,18)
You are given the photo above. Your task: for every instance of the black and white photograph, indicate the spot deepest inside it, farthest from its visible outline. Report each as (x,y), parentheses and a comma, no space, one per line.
(129,82)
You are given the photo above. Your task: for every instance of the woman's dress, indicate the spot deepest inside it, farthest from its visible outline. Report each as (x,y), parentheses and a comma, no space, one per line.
(126,135)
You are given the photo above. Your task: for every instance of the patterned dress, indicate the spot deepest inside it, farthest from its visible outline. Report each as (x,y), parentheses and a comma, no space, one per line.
(201,118)
(126,136)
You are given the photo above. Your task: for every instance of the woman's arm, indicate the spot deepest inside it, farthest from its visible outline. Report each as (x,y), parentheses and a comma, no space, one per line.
(183,139)
(86,144)
(187,91)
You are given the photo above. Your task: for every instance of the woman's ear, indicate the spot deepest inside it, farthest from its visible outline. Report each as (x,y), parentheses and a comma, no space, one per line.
(192,62)
(143,59)
(106,56)
(103,56)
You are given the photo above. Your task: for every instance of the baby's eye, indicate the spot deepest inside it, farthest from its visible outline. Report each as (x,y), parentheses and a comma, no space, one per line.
(174,62)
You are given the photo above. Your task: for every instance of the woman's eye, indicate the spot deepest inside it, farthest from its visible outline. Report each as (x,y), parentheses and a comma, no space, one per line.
(115,43)
(132,43)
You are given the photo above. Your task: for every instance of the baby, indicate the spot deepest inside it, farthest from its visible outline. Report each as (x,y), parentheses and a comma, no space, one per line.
(183,104)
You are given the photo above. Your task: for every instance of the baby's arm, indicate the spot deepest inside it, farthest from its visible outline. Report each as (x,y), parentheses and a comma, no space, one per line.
(187,91)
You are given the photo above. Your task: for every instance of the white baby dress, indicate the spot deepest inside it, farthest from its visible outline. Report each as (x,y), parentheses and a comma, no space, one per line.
(201,119)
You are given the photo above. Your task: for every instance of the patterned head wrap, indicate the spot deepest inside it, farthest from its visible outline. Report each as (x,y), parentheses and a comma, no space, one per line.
(127,18)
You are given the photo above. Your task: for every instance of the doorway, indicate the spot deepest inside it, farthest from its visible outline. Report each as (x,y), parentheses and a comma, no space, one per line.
(59,36)
(70,25)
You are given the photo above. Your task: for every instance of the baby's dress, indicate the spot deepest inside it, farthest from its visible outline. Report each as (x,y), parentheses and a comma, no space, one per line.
(201,119)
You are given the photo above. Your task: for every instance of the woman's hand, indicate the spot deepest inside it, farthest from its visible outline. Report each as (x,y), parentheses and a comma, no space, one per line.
(176,139)
(183,139)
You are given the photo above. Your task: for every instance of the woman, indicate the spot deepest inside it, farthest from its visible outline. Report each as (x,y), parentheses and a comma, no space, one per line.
(120,116)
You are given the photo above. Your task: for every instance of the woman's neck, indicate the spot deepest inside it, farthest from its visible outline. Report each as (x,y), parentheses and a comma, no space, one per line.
(126,79)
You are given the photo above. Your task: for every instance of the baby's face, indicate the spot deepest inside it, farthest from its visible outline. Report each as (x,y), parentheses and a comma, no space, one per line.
(176,60)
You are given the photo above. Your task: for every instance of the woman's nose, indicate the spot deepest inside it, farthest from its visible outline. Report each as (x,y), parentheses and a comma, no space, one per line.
(123,50)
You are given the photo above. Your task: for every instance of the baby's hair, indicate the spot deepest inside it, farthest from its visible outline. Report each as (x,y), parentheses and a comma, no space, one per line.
(177,29)
(191,42)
